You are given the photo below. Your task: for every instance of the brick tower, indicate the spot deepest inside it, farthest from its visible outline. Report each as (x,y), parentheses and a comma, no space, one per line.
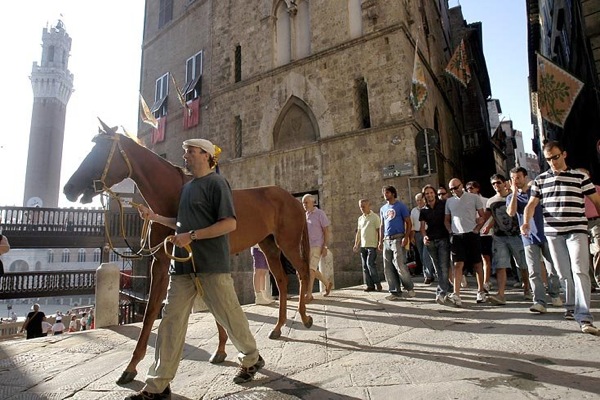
(52,87)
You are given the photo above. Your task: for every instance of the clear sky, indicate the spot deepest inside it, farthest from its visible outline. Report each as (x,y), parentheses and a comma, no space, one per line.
(504,25)
(105,59)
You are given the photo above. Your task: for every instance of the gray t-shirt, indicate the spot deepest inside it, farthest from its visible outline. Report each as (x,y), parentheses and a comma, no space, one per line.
(204,201)
(463,212)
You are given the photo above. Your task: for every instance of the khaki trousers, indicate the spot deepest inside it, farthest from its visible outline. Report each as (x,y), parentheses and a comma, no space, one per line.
(221,300)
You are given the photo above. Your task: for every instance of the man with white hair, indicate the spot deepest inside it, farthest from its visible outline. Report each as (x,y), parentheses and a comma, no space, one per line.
(318,235)
(205,217)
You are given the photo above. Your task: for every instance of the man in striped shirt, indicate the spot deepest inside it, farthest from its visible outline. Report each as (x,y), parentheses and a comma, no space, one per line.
(561,192)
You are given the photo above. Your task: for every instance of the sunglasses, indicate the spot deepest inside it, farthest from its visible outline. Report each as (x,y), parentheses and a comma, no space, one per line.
(442,193)
(554,157)
(453,188)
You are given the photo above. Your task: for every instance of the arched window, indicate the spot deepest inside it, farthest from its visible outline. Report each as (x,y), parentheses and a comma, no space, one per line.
(66,256)
(292,31)
(50,256)
(296,125)
(301,37)
(283,34)
(114,257)
(97,255)
(81,255)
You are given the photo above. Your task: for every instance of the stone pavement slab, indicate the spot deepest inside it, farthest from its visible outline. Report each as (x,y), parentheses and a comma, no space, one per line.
(360,347)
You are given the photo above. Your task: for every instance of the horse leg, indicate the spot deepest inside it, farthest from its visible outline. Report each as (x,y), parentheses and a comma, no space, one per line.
(219,355)
(290,241)
(302,270)
(158,291)
(272,253)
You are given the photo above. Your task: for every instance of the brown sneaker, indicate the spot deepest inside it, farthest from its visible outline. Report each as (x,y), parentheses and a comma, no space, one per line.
(143,395)
(246,374)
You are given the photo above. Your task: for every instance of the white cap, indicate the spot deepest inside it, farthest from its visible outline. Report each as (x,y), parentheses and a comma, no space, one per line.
(204,144)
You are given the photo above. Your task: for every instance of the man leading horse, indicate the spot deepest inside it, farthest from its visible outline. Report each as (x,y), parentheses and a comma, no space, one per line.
(206,215)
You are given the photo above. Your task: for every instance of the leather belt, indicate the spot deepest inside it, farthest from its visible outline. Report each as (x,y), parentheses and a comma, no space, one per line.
(392,237)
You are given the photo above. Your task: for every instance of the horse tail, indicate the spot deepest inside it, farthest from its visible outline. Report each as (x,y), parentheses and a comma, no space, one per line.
(305,244)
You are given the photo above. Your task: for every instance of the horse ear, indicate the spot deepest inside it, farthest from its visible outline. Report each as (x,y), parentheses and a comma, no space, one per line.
(107,130)
(130,135)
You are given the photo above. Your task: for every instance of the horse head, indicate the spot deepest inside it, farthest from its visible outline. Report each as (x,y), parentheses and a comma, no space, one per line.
(103,167)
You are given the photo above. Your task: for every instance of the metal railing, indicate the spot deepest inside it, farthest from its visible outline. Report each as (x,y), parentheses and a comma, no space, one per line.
(45,284)
(32,227)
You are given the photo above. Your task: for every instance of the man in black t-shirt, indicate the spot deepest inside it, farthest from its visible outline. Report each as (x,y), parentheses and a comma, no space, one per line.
(436,239)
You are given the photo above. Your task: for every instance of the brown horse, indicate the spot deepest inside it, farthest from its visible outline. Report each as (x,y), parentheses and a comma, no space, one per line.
(269,216)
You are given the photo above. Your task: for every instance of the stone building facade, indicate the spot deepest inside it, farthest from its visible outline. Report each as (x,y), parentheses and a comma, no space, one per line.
(312,96)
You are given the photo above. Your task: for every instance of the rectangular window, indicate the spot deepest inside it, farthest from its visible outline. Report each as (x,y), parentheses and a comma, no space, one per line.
(238,63)
(159,108)
(193,77)
(165,12)
(362,104)
(238,136)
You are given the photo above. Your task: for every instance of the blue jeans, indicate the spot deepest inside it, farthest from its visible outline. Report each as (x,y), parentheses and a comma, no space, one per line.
(394,266)
(439,255)
(428,269)
(368,255)
(533,255)
(571,255)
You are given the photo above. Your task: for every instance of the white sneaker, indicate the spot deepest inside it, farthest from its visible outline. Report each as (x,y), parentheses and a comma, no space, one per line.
(409,294)
(588,327)
(537,308)
(440,299)
(481,297)
(268,297)
(455,299)
(557,302)
(260,300)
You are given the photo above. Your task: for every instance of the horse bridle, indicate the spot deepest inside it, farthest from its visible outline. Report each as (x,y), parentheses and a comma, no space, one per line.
(100,185)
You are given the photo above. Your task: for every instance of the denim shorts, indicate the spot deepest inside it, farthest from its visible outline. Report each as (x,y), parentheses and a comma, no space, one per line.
(506,246)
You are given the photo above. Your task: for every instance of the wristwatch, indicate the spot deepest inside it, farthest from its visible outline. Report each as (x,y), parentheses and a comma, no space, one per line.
(193,235)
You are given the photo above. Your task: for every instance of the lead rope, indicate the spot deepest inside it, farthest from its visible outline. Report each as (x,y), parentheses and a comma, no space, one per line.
(188,248)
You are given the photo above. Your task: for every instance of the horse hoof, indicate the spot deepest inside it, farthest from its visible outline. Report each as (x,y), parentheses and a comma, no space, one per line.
(274,334)
(126,377)
(309,322)
(217,358)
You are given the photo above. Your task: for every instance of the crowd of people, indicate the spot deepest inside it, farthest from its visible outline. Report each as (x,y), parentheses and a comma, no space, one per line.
(547,228)
(37,323)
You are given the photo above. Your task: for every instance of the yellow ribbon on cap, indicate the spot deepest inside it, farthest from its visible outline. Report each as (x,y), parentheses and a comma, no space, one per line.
(217,154)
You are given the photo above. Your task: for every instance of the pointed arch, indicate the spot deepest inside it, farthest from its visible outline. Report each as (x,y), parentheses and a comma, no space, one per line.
(295,126)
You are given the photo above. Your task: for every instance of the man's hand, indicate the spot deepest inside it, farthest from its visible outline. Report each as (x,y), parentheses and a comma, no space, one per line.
(355,248)
(405,241)
(525,229)
(146,213)
(182,239)
(513,186)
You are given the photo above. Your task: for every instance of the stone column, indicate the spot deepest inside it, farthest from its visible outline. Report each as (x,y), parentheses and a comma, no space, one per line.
(107,295)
